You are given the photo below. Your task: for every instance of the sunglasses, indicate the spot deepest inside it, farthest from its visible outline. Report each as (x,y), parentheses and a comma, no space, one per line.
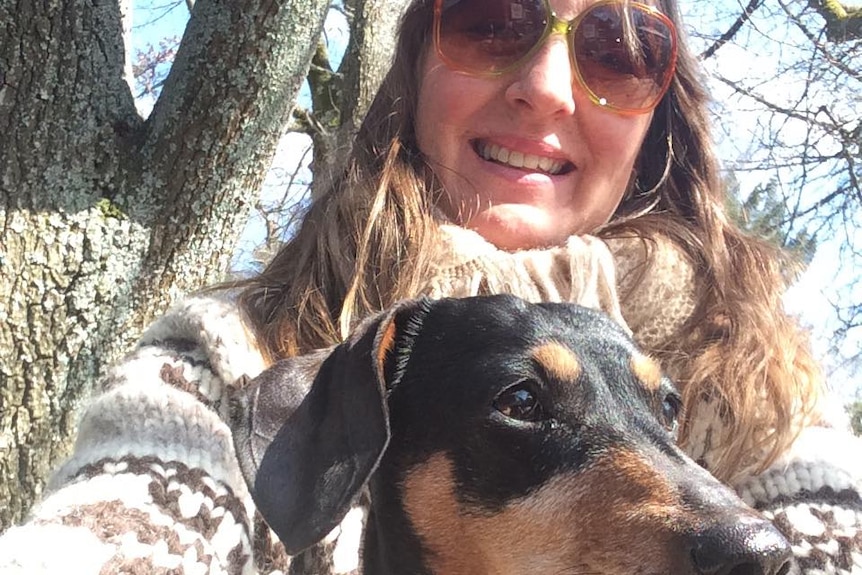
(623,53)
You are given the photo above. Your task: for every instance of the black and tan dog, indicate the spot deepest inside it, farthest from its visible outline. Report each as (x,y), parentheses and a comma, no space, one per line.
(497,437)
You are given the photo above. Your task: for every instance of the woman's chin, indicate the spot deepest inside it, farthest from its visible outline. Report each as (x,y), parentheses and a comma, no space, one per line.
(514,228)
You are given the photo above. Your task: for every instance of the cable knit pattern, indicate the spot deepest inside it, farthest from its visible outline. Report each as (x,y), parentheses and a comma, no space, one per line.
(652,296)
(812,493)
(153,485)
(657,293)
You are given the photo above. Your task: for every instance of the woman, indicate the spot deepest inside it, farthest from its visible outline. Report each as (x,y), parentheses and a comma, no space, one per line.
(497,156)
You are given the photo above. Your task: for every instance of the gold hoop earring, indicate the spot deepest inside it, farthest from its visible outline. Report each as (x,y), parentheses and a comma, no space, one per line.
(639,199)
(643,192)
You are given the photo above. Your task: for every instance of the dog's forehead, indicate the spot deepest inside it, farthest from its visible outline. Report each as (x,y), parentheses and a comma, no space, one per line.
(502,334)
(509,316)
(566,342)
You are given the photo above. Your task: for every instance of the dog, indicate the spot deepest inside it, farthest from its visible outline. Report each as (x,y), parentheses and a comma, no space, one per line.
(496,437)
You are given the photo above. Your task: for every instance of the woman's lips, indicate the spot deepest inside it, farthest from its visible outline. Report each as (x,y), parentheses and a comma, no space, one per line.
(521,160)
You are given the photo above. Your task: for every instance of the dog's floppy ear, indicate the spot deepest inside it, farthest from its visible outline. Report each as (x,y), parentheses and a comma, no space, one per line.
(308,439)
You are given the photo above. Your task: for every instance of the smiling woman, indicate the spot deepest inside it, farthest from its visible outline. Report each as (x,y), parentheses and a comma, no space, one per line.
(556,151)
(496,112)
(496,116)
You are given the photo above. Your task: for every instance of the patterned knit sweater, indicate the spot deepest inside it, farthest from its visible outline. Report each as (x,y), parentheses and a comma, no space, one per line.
(153,485)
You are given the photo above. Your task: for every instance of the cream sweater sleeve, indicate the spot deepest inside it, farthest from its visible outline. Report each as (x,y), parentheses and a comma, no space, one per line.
(152,485)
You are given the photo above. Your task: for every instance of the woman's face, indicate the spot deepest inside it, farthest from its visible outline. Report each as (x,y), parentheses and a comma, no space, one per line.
(526,159)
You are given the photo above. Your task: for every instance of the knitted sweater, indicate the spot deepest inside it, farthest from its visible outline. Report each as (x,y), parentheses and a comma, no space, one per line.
(153,485)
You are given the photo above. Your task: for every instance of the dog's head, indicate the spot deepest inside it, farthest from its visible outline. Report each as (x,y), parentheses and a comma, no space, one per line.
(504,437)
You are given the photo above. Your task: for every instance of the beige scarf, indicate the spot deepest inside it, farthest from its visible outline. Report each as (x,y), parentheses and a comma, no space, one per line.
(650,291)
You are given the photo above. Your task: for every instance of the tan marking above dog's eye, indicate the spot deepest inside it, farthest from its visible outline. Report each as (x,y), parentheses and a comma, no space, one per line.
(647,370)
(558,361)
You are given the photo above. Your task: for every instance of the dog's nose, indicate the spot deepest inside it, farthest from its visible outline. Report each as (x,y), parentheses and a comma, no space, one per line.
(753,547)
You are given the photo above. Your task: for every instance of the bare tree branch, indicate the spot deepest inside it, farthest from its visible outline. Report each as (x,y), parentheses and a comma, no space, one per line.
(731,32)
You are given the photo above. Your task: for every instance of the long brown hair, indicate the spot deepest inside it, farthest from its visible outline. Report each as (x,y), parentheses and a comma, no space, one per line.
(739,348)
(363,244)
(366,242)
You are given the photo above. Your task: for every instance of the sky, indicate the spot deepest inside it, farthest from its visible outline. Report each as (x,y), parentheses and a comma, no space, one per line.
(828,277)
(809,298)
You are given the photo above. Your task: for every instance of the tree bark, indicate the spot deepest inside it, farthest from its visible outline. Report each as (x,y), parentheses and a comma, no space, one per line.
(843,21)
(369,55)
(341,98)
(105,219)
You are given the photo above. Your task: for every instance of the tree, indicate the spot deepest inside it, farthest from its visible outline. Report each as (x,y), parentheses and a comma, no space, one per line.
(106,218)
(787,81)
(763,214)
(854,410)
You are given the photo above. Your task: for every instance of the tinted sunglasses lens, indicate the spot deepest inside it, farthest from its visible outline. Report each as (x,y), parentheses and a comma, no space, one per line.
(488,36)
(625,55)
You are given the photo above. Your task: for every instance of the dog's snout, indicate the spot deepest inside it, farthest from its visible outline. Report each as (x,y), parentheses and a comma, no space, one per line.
(752,547)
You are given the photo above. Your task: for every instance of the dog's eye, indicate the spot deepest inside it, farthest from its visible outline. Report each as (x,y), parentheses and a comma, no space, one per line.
(519,402)
(671,407)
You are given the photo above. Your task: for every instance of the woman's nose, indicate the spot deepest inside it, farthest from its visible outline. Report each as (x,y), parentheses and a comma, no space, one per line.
(544,82)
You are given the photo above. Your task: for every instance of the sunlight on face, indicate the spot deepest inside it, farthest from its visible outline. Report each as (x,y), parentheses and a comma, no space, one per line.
(526,159)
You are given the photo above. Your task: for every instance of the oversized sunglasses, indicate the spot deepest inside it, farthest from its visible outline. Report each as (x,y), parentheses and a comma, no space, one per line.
(622,53)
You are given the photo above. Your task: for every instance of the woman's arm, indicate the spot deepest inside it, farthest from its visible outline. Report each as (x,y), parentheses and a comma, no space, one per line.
(152,484)
(813,494)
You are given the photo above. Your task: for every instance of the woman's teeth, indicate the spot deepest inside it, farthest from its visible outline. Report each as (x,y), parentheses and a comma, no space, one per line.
(520,160)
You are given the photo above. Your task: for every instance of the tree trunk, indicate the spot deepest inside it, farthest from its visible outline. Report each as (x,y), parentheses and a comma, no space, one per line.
(106,219)
(843,20)
(342,98)
(369,55)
